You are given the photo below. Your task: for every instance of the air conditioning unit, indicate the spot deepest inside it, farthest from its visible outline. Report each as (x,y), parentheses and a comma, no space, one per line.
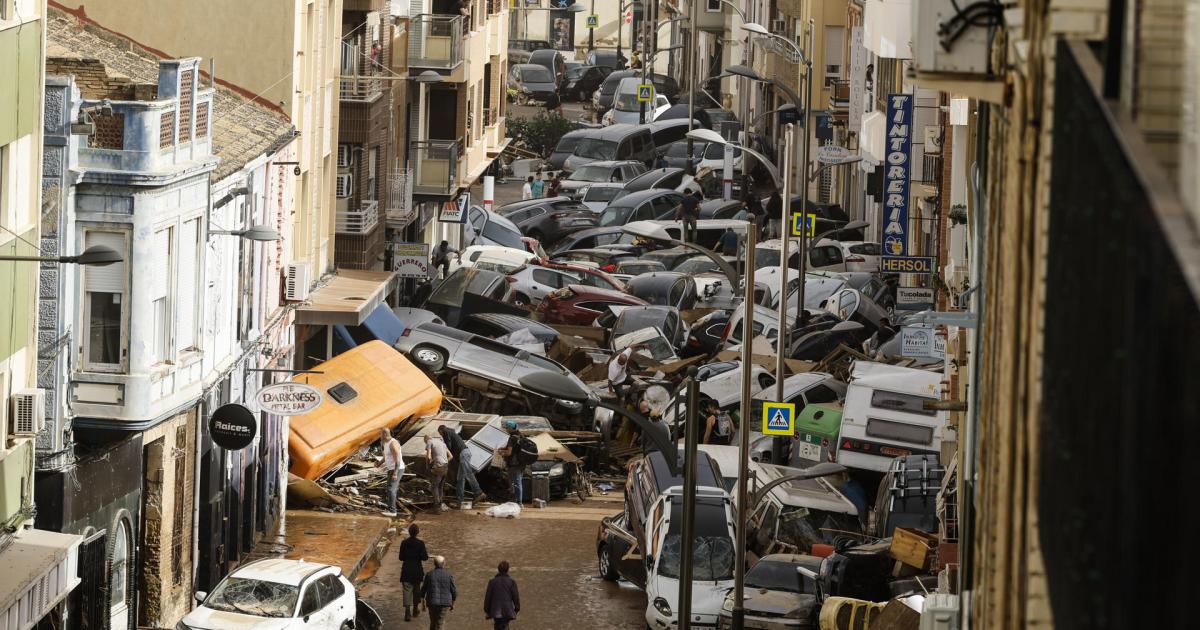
(345,156)
(28,413)
(947,40)
(345,185)
(297,277)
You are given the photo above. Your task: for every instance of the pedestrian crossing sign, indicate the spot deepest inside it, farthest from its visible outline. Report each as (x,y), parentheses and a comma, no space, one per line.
(593,21)
(779,419)
(646,92)
(810,225)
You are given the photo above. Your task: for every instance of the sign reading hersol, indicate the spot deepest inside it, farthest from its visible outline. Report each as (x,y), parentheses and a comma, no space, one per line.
(232,427)
(289,399)
(906,264)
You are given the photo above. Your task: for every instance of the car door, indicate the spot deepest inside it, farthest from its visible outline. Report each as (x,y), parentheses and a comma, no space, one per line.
(546,280)
(320,602)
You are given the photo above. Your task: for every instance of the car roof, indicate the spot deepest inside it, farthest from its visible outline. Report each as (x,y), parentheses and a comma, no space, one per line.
(527,203)
(445,331)
(703,224)
(609,164)
(530,65)
(544,52)
(707,475)
(510,321)
(618,132)
(600,292)
(643,181)
(280,571)
(657,277)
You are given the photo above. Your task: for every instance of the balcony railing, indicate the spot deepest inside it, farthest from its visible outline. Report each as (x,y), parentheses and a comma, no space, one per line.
(434,165)
(839,94)
(361,221)
(491,116)
(360,72)
(435,41)
(400,211)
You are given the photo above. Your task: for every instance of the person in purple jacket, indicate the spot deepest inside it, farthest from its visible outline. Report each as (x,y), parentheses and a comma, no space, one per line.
(501,603)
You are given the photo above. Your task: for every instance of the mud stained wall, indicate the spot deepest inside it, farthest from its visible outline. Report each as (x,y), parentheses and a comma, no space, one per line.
(165,570)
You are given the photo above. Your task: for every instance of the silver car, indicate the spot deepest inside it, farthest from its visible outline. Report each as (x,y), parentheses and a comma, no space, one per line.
(436,348)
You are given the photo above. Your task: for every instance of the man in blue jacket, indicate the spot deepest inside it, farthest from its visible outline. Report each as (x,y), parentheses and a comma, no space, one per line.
(501,602)
(439,593)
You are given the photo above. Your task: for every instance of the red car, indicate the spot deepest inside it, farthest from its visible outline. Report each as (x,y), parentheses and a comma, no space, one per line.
(580,305)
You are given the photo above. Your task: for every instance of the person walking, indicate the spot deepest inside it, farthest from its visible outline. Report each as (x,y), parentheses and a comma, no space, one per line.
(512,461)
(412,571)
(439,592)
(775,215)
(688,211)
(501,602)
(393,463)
(538,186)
(527,189)
(439,464)
(464,473)
(555,186)
(553,104)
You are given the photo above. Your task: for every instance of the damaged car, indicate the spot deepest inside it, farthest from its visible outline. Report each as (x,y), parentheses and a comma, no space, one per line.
(778,595)
(276,593)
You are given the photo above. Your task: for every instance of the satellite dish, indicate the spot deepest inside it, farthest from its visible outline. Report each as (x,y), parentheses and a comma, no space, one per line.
(658,398)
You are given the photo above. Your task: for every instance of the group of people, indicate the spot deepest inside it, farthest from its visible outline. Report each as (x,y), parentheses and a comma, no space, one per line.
(436,591)
(537,187)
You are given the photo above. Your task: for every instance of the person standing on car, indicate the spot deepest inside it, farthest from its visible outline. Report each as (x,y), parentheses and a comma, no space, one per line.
(439,464)
(729,242)
(527,189)
(618,374)
(465,473)
(393,463)
(440,258)
(538,186)
(412,572)
(718,427)
(512,460)
(501,602)
(688,211)
(439,592)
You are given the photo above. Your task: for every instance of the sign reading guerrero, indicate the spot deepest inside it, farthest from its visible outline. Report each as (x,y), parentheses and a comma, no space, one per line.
(289,399)
(233,427)
(896,177)
(410,260)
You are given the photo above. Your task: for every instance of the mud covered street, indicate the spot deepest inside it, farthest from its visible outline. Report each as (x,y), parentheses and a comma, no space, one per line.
(552,553)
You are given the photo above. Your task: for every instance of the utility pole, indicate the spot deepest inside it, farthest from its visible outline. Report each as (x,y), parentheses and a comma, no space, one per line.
(808,122)
(739,562)
(687,542)
(788,142)
(592,31)
(692,60)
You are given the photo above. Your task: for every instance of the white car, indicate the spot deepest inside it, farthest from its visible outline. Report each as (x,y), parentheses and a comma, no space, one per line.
(274,594)
(597,196)
(862,255)
(531,283)
(492,258)
(626,107)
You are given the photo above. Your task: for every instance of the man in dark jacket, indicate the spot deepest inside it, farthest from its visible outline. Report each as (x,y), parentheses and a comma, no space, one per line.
(412,554)
(460,457)
(511,453)
(775,215)
(439,593)
(501,603)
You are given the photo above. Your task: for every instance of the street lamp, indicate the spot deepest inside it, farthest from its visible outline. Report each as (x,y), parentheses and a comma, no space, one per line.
(94,256)
(708,135)
(261,233)
(654,231)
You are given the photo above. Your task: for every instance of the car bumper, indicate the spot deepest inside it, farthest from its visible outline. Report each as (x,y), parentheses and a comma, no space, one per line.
(655,621)
(761,623)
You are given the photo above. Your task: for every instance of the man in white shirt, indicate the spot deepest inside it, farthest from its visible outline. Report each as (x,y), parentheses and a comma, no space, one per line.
(618,374)
(439,464)
(393,463)
(527,189)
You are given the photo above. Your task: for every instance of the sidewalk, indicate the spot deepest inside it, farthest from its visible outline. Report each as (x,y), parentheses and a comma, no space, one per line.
(347,540)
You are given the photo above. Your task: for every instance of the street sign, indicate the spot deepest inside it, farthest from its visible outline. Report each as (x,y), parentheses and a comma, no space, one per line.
(410,260)
(232,427)
(593,21)
(906,264)
(921,342)
(916,298)
(896,176)
(832,154)
(289,399)
(629,16)
(779,419)
(810,225)
(455,211)
(645,93)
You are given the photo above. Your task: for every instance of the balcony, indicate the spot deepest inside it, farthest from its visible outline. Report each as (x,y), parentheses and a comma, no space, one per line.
(360,72)
(839,95)
(400,211)
(435,42)
(434,166)
(360,221)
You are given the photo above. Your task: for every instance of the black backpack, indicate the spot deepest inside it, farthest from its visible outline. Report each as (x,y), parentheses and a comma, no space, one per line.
(527,452)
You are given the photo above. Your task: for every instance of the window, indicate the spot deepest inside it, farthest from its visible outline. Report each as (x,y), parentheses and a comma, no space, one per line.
(548,278)
(833,53)
(160,295)
(676,295)
(118,577)
(899,431)
(331,589)
(764,380)
(820,394)
(189,281)
(372,170)
(714,6)
(907,403)
(825,256)
(312,599)
(104,303)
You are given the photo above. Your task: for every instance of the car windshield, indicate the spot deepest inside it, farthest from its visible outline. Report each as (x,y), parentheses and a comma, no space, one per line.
(596,149)
(253,597)
(503,236)
(591,173)
(614,215)
(536,74)
(775,576)
(627,102)
(693,266)
(450,291)
(633,320)
(679,149)
(717,152)
(601,193)
(712,557)
(766,257)
(566,144)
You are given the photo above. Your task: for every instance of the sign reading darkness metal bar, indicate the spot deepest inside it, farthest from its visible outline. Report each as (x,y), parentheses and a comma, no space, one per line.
(233,427)
(897,170)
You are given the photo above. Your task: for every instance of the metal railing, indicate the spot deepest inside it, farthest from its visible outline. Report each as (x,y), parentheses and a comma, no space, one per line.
(360,70)
(839,94)
(361,221)
(400,211)
(434,166)
(435,41)
(491,115)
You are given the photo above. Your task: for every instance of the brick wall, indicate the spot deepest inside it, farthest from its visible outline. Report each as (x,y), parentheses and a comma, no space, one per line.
(110,131)
(165,564)
(92,78)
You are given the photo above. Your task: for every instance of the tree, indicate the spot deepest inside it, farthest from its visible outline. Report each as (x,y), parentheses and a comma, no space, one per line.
(540,133)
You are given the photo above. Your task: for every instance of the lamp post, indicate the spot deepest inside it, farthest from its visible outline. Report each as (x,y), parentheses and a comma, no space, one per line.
(94,256)
(646,61)
(260,233)
(653,231)
(708,135)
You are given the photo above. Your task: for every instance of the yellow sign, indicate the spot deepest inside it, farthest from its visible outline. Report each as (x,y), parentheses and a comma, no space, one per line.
(810,224)
(779,419)
(645,92)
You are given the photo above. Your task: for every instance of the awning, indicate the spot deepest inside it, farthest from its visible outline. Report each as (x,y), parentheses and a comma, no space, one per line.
(40,569)
(873,138)
(347,299)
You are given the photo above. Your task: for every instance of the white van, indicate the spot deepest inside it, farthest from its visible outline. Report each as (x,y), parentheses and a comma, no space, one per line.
(884,416)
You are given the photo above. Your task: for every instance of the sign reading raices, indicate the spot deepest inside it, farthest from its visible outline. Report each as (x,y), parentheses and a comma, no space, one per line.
(289,399)
(232,427)
(896,177)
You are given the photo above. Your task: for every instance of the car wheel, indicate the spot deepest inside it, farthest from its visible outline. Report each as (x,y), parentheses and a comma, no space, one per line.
(608,570)
(521,299)
(348,625)
(429,357)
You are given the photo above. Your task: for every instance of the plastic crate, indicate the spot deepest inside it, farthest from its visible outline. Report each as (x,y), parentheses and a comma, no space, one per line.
(913,547)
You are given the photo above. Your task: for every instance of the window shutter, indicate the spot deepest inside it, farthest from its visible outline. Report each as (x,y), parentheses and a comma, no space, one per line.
(109,278)
(188,266)
(161,257)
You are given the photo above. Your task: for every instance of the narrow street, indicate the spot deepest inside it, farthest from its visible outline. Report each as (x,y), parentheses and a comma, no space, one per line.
(552,553)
